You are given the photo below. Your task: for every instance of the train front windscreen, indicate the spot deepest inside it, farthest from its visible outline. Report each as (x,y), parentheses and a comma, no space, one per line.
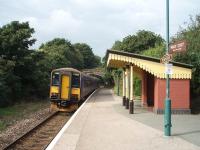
(56,79)
(75,80)
(75,95)
(55,82)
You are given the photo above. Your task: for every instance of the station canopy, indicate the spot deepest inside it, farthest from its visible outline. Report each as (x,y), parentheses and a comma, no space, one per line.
(119,59)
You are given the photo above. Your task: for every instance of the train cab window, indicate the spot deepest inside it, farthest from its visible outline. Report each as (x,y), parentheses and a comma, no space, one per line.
(55,78)
(75,80)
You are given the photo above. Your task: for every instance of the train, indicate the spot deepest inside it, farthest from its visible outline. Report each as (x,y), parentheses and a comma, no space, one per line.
(69,87)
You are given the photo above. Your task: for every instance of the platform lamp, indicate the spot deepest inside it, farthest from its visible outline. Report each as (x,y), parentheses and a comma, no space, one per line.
(167,113)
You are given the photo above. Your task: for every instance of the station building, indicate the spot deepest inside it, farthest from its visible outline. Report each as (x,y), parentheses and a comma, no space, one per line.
(153,77)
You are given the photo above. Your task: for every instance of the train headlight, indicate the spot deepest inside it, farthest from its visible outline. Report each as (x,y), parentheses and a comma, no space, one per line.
(74,97)
(54,95)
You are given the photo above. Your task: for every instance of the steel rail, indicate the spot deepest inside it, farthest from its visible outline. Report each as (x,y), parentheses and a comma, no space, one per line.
(30,131)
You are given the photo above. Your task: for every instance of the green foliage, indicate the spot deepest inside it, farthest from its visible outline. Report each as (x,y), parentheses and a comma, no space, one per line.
(60,53)
(143,40)
(40,75)
(157,52)
(117,45)
(108,78)
(97,61)
(137,86)
(89,59)
(117,75)
(136,82)
(15,39)
(192,35)
(2,125)
(7,84)
(25,73)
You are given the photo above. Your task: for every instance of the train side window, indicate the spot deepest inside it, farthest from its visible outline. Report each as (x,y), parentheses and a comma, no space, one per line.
(55,78)
(75,80)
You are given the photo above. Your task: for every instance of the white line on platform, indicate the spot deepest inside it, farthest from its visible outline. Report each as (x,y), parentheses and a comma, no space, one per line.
(55,140)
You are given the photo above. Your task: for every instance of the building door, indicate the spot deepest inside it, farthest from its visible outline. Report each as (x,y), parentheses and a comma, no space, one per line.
(65,87)
(150,90)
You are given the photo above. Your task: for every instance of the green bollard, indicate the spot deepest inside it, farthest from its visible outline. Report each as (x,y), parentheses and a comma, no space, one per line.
(167,120)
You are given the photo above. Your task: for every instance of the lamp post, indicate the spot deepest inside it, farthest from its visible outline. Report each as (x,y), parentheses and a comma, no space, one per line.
(167,114)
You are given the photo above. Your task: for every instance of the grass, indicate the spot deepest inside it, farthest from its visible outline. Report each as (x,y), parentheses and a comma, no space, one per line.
(2,125)
(9,115)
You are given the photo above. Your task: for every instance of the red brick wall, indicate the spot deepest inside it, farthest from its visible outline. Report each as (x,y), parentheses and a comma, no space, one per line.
(179,93)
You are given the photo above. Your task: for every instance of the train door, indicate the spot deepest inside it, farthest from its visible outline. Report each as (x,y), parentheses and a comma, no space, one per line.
(65,86)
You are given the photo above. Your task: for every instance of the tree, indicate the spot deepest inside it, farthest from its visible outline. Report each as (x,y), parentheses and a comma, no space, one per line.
(143,40)
(117,45)
(157,52)
(61,53)
(25,73)
(192,56)
(8,82)
(40,76)
(108,78)
(15,40)
(89,59)
(97,61)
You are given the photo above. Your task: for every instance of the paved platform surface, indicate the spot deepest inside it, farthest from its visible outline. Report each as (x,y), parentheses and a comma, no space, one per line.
(104,124)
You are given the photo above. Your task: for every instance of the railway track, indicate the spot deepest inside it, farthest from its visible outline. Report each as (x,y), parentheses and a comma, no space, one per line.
(41,135)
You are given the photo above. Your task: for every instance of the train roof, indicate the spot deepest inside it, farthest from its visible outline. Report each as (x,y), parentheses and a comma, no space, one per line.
(74,70)
(67,69)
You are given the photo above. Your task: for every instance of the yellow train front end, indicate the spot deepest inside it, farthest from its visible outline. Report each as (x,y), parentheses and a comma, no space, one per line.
(65,89)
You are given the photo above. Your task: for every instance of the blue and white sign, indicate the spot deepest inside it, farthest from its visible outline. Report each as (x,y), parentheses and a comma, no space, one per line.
(169,69)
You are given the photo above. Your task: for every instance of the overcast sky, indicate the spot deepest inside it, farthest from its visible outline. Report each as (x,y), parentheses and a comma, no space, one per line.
(98,23)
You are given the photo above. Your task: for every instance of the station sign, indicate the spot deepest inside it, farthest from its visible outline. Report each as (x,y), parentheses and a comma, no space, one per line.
(179,46)
(166,58)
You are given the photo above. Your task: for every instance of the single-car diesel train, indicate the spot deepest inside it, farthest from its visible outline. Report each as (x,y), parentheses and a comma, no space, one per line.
(69,87)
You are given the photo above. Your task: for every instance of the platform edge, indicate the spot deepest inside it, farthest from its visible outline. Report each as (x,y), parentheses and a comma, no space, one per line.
(57,137)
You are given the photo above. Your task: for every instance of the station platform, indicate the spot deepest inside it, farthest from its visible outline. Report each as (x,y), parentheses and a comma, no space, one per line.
(102,123)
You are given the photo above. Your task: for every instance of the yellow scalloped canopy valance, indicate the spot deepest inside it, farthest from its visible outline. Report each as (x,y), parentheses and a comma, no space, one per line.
(155,68)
